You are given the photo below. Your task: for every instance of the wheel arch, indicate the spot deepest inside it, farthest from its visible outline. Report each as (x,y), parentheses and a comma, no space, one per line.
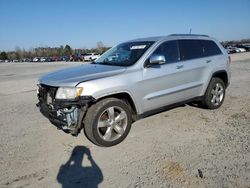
(127,98)
(222,74)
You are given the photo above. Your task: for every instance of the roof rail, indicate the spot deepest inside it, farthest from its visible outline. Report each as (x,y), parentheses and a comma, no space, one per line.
(187,35)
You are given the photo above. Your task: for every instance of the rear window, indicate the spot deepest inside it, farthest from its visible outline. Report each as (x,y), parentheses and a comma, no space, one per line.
(210,48)
(192,49)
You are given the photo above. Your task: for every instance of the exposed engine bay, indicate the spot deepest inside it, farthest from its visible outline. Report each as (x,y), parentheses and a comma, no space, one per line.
(65,114)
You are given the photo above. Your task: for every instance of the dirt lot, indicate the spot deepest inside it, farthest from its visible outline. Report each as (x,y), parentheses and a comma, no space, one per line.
(183,147)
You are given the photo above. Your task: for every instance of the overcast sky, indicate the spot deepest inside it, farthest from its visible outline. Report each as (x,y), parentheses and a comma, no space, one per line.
(79,23)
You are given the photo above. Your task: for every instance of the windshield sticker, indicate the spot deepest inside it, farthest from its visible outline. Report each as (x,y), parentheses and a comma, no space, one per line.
(137,47)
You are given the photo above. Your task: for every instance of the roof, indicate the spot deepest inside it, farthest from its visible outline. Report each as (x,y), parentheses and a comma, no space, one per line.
(148,39)
(157,38)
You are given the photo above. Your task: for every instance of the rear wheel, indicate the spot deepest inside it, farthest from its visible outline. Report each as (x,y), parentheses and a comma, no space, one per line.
(215,94)
(108,122)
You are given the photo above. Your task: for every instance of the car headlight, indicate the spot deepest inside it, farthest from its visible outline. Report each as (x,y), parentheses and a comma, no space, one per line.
(68,92)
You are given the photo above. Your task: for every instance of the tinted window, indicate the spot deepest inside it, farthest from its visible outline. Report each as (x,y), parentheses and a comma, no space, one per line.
(210,48)
(170,50)
(190,49)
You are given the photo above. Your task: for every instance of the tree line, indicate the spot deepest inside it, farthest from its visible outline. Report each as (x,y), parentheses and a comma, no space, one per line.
(235,42)
(60,51)
(66,50)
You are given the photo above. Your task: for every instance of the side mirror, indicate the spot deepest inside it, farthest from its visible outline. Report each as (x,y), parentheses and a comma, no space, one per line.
(157,59)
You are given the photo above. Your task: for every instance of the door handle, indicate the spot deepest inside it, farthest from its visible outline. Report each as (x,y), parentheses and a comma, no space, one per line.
(208,61)
(179,66)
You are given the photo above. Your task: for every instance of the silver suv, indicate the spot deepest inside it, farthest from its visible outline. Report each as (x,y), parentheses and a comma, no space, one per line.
(133,80)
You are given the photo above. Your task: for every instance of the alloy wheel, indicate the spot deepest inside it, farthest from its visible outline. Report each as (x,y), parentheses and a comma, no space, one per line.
(217,94)
(112,123)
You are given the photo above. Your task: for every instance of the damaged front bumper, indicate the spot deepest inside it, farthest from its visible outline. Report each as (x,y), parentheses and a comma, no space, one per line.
(65,114)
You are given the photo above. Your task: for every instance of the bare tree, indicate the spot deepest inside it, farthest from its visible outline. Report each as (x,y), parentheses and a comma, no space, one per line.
(13,55)
(19,53)
(100,47)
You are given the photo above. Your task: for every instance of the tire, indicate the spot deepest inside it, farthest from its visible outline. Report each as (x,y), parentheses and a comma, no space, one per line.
(108,122)
(215,94)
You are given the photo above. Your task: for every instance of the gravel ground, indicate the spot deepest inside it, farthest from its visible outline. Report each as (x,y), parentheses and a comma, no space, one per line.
(183,147)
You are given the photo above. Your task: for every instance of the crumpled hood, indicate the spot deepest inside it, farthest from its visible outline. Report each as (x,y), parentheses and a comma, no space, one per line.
(74,75)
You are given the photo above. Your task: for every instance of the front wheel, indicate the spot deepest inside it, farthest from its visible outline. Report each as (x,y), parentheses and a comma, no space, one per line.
(108,122)
(215,94)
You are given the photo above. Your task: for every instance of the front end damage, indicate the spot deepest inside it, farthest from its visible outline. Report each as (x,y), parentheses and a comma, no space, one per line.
(65,114)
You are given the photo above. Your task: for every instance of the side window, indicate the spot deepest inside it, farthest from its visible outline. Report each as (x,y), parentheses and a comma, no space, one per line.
(170,50)
(210,48)
(190,49)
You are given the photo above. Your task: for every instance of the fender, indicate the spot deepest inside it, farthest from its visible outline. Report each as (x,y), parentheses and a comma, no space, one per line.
(219,72)
(121,92)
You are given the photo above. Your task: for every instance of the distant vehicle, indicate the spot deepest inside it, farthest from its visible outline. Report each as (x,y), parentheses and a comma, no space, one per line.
(26,60)
(230,50)
(43,59)
(55,58)
(48,59)
(75,57)
(65,58)
(240,49)
(91,56)
(244,46)
(247,47)
(36,59)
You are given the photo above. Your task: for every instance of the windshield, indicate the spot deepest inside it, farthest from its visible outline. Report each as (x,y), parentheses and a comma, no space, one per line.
(124,54)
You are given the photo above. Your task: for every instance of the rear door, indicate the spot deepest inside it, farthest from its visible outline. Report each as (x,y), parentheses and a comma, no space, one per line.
(214,59)
(196,67)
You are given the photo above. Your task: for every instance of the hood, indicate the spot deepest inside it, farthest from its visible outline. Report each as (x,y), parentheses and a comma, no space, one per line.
(74,75)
